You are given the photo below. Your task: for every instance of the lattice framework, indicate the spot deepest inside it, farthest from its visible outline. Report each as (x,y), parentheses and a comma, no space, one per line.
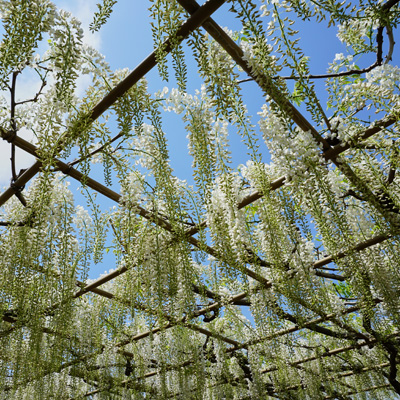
(201,16)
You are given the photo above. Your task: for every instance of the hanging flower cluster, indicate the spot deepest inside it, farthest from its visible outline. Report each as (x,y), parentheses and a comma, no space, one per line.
(276,278)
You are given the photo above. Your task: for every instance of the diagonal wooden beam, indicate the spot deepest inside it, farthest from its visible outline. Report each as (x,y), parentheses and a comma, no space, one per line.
(268,86)
(112,195)
(192,23)
(368,389)
(116,197)
(67,169)
(265,82)
(329,353)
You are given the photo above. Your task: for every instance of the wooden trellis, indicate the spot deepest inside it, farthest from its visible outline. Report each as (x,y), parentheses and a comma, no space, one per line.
(380,378)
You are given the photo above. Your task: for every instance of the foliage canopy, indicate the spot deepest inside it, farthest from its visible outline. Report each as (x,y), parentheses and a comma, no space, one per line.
(264,280)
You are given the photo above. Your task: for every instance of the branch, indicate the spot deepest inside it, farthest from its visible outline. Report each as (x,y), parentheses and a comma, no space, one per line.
(379,41)
(35,99)
(389,4)
(18,188)
(315,327)
(392,170)
(391,348)
(323,76)
(8,223)
(389,32)
(13,125)
(393,371)
(107,143)
(379,58)
(384,199)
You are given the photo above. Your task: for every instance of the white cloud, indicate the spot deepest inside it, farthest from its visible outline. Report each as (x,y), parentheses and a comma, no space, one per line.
(28,84)
(83,10)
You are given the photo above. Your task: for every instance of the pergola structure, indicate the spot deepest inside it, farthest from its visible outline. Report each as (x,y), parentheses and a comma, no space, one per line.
(345,350)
